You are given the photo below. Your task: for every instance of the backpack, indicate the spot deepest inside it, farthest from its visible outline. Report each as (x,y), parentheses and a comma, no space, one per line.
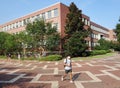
(65,61)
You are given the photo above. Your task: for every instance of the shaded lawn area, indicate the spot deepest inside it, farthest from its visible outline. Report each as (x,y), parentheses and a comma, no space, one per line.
(94,57)
(81,58)
(3,57)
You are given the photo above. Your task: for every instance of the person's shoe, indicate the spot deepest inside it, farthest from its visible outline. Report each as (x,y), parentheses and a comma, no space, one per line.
(71,81)
(62,79)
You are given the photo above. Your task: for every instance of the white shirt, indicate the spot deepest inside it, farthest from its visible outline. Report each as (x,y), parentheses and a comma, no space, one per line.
(68,62)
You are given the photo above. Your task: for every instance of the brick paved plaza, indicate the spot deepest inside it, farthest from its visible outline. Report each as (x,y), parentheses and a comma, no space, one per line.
(97,73)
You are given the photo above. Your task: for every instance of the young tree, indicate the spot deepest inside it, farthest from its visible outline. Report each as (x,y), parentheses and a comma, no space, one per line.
(52,38)
(37,30)
(44,35)
(23,40)
(75,33)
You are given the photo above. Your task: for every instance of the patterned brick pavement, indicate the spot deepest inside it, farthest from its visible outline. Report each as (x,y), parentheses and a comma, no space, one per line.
(97,73)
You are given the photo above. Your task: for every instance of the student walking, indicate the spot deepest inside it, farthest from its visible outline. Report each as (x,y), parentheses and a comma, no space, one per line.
(9,58)
(68,68)
(19,57)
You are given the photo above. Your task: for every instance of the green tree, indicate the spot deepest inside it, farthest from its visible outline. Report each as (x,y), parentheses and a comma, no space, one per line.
(43,35)
(23,41)
(52,38)
(75,33)
(37,31)
(7,43)
(103,45)
(117,31)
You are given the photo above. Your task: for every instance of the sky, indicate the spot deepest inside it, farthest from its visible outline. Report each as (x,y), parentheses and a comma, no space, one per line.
(103,12)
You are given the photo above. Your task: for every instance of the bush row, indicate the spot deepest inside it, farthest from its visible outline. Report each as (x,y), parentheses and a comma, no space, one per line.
(57,57)
(99,52)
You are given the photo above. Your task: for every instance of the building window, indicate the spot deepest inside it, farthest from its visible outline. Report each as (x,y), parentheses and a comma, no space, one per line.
(8,27)
(49,14)
(55,25)
(4,28)
(16,24)
(20,23)
(86,22)
(38,17)
(101,36)
(92,35)
(28,20)
(55,12)
(92,44)
(89,43)
(83,20)
(11,26)
(43,16)
(24,22)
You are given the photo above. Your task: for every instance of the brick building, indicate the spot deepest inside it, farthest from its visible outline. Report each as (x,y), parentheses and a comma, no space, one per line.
(57,15)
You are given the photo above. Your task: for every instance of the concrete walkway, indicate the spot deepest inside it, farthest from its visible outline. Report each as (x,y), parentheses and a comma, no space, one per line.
(97,73)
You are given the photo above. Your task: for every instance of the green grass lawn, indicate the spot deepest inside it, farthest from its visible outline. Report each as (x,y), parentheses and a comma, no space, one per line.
(82,58)
(94,57)
(3,57)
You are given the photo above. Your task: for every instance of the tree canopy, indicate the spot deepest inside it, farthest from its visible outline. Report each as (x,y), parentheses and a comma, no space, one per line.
(38,35)
(117,31)
(75,33)
(7,43)
(43,35)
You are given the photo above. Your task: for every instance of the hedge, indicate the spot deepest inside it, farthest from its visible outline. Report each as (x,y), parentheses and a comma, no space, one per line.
(98,52)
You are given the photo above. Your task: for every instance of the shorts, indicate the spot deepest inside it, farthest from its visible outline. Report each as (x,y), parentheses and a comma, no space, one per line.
(67,71)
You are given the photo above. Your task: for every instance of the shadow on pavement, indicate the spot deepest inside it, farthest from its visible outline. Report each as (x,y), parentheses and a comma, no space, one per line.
(75,76)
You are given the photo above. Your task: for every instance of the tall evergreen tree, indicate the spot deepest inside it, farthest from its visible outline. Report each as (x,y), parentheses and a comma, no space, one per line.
(117,30)
(75,33)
